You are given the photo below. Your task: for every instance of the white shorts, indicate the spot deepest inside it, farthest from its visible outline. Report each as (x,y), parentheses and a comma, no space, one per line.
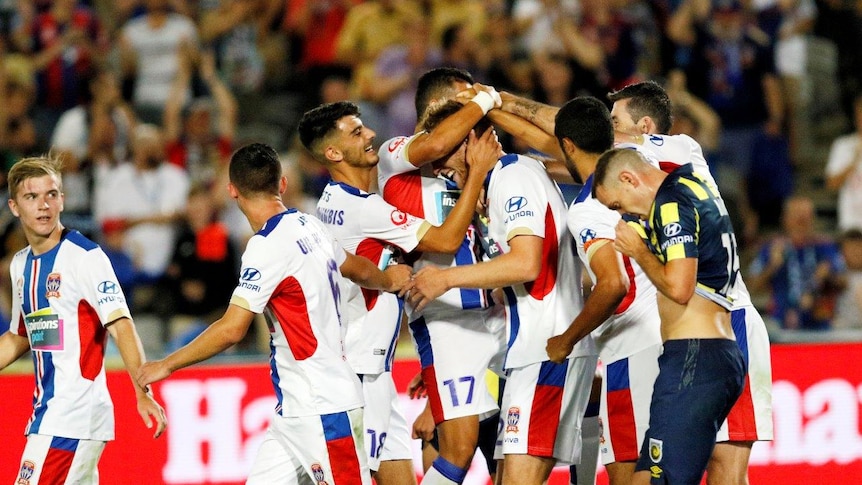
(543,408)
(455,350)
(750,419)
(387,436)
(52,459)
(624,409)
(312,450)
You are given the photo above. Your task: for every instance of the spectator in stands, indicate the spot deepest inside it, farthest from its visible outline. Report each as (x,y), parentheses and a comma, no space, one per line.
(103,98)
(848,311)
(64,42)
(145,198)
(200,140)
(844,172)
(802,271)
(393,82)
(202,272)
(248,52)
(149,48)
(315,25)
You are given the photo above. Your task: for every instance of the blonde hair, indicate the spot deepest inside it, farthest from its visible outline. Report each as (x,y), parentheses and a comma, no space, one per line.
(34,167)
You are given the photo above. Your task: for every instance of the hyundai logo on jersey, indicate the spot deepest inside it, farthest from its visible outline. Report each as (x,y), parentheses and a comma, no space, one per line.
(109,287)
(514,204)
(250,274)
(672,229)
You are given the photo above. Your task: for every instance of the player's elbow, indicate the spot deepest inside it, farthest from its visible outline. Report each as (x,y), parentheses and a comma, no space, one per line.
(680,293)
(233,335)
(615,288)
(528,270)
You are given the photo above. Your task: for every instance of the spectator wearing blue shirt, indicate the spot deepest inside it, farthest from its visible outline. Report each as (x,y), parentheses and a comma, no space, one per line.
(803,271)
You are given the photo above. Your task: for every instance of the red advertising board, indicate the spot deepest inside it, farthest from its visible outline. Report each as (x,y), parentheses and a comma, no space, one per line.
(218,415)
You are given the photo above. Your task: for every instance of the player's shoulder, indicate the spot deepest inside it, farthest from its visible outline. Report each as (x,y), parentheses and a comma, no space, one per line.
(76,240)
(393,145)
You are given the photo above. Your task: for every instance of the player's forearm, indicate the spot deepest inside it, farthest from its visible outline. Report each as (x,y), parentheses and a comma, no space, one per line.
(451,132)
(449,236)
(129,345)
(671,279)
(536,137)
(599,306)
(11,348)
(364,273)
(217,338)
(504,270)
(539,114)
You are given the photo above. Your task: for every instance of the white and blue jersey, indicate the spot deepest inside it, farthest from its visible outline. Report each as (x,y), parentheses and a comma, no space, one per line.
(368,226)
(62,300)
(290,273)
(421,194)
(523,200)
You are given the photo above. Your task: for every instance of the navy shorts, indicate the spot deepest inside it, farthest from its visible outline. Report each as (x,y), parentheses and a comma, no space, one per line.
(699,380)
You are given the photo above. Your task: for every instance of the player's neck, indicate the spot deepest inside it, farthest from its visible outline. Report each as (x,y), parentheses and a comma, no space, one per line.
(43,244)
(259,211)
(357,177)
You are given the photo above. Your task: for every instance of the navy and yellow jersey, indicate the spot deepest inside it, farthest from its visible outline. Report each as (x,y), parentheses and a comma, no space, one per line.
(689,220)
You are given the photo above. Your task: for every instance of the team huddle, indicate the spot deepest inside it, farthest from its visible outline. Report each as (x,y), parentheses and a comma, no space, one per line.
(479,251)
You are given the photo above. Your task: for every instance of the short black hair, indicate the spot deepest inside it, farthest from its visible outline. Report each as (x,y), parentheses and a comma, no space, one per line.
(608,159)
(319,122)
(586,121)
(255,169)
(436,81)
(647,98)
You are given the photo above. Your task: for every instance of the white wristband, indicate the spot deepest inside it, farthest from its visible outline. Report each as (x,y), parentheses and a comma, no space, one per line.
(498,101)
(484,100)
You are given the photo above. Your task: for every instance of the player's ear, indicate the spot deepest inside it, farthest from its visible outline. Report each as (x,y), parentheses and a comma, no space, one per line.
(333,154)
(282,185)
(629,178)
(232,191)
(14,208)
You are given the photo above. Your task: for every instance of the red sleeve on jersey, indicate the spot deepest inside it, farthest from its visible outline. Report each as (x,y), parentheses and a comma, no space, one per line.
(404,191)
(92,340)
(544,283)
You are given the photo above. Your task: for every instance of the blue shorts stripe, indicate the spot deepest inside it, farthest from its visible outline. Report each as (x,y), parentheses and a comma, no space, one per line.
(335,426)
(553,374)
(66,444)
(617,375)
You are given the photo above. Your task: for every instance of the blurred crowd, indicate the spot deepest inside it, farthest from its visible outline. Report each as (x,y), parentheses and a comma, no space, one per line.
(146,100)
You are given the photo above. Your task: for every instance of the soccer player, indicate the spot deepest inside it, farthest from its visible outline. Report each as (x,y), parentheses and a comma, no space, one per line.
(533,261)
(692,261)
(641,113)
(65,300)
(368,226)
(459,335)
(620,311)
(291,272)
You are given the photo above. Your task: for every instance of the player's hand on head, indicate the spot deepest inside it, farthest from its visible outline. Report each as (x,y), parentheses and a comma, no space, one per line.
(498,101)
(558,348)
(483,150)
(151,411)
(465,96)
(399,276)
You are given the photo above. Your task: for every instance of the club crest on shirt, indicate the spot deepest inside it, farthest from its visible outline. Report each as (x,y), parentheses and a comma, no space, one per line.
(512,419)
(319,475)
(52,285)
(587,235)
(655,450)
(28,468)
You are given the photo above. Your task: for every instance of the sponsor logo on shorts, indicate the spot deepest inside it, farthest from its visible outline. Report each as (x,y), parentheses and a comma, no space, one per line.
(655,452)
(52,285)
(28,468)
(317,472)
(512,419)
